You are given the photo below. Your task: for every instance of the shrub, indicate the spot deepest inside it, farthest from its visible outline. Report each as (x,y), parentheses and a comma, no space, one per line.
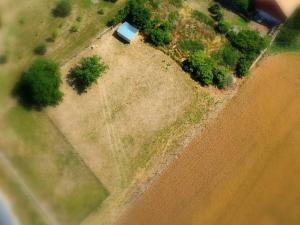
(3,59)
(218,16)
(201,68)
(40,49)
(248,41)
(223,27)
(39,85)
(244,65)
(78,18)
(100,11)
(190,46)
(173,17)
(52,37)
(228,56)
(62,9)
(203,18)
(220,75)
(73,29)
(87,73)
(161,35)
(215,8)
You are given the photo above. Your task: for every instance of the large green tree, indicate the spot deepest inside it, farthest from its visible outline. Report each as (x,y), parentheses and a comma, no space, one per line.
(62,9)
(87,73)
(40,84)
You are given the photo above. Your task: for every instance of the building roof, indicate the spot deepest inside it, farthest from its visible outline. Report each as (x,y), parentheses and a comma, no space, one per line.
(288,6)
(127,31)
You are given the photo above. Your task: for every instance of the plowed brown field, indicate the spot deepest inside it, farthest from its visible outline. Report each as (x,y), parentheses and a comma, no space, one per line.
(244,168)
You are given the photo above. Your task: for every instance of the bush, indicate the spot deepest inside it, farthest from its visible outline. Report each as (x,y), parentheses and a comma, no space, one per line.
(244,65)
(203,18)
(218,16)
(248,41)
(220,77)
(230,56)
(223,27)
(87,73)
(100,11)
(73,29)
(161,35)
(40,49)
(190,46)
(201,68)
(215,8)
(62,9)
(39,85)
(3,59)
(52,37)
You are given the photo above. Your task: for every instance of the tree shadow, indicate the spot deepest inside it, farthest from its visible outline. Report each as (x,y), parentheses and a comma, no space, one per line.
(76,84)
(21,93)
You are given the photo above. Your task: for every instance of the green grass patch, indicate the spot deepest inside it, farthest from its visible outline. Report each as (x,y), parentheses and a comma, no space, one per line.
(203,18)
(52,167)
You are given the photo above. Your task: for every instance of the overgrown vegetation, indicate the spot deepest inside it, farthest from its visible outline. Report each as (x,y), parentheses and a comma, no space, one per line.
(87,73)
(39,85)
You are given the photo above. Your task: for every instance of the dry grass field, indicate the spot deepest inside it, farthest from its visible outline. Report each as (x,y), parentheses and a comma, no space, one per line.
(244,168)
(141,107)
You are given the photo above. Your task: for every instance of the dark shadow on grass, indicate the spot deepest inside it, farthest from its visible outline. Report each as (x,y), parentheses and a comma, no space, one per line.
(76,84)
(21,93)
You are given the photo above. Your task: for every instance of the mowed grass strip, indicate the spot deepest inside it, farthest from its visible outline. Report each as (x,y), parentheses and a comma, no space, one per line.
(51,167)
(20,203)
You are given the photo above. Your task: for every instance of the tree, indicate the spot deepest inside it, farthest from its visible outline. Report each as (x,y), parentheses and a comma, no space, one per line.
(201,68)
(138,14)
(39,85)
(87,73)
(62,9)
(228,56)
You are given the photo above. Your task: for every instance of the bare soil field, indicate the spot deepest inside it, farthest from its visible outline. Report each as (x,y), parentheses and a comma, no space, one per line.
(126,118)
(244,168)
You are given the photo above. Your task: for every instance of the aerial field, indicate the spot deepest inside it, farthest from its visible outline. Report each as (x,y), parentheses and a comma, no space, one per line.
(244,168)
(140,108)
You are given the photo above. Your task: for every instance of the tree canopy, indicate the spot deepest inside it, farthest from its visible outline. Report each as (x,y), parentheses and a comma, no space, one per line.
(39,85)
(87,73)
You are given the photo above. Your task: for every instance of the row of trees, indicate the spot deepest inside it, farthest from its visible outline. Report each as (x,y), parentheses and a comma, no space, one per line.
(40,84)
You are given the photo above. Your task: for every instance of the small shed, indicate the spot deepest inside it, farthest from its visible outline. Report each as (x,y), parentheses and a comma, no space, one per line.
(127,32)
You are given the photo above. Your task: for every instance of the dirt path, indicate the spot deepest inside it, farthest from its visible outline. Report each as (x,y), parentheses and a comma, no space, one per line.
(244,169)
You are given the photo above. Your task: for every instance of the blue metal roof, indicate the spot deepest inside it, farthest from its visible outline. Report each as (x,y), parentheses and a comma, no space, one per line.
(127,31)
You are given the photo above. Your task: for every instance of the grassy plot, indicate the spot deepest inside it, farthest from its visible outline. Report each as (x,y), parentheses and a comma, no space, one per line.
(21,205)
(52,168)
